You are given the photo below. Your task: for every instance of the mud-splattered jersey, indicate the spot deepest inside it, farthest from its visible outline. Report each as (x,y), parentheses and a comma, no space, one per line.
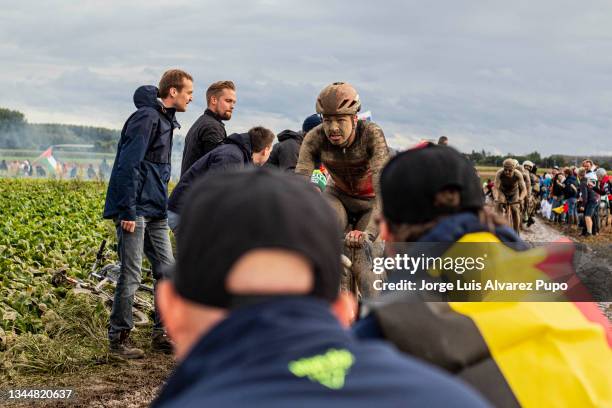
(354,170)
(510,185)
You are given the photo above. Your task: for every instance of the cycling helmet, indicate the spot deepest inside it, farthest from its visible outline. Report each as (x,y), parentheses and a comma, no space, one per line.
(339,98)
(509,164)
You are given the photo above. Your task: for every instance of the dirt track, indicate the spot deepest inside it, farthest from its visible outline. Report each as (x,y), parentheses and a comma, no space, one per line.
(593,257)
(131,384)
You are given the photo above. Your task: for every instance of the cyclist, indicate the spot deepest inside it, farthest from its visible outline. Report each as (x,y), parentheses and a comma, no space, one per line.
(354,153)
(534,192)
(510,190)
(525,201)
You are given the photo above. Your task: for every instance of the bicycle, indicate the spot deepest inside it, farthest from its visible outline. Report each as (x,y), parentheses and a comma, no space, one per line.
(509,215)
(106,275)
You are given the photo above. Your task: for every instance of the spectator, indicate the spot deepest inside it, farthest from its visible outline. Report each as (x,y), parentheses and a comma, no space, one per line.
(259,325)
(91,172)
(557,188)
(104,169)
(570,193)
(137,199)
(588,201)
(239,150)
(3,167)
(443,140)
(590,168)
(208,131)
(40,172)
(285,153)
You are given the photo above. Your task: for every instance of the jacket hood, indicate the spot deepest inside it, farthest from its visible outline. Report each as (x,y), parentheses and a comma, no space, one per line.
(242,140)
(290,134)
(146,95)
(452,228)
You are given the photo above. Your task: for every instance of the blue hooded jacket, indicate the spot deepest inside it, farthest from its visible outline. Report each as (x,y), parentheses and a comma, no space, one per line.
(138,183)
(292,352)
(236,151)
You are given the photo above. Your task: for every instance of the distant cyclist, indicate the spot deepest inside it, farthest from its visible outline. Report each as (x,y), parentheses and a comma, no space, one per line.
(534,193)
(510,191)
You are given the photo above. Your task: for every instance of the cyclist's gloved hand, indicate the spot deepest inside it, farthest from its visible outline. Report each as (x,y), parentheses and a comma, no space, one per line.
(355,239)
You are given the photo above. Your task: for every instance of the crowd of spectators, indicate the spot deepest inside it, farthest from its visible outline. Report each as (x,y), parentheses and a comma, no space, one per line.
(576,196)
(84,171)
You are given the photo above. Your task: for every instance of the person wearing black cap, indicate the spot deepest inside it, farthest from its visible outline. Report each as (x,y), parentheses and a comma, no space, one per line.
(254,314)
(504,349)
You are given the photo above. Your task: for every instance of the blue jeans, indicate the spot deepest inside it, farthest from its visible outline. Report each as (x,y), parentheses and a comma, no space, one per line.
(174,220)
(572,209)
(150,236)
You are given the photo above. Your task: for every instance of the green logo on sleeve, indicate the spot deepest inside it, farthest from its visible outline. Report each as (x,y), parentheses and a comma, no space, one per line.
(327,369)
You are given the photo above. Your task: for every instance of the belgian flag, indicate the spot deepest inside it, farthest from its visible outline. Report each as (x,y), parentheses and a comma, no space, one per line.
(517,354)
(555,354)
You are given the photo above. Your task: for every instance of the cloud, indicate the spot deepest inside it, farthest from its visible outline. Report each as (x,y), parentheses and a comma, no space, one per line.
(521,77)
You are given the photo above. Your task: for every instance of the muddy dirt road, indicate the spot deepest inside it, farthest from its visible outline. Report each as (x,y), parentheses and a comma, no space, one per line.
(593,257)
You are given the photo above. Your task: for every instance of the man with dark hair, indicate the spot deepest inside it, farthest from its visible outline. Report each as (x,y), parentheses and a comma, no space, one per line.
(443,140)
(208,131)
(285,153)
(255,315)
(137,197)
(238,150)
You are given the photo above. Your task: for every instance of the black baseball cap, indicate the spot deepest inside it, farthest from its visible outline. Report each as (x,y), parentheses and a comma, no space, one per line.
(227,215)
(410,181)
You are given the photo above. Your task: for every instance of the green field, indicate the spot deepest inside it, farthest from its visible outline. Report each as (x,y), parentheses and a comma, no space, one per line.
(51,226)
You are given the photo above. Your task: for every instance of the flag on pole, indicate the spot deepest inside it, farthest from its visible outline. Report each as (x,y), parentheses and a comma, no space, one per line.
(47,159)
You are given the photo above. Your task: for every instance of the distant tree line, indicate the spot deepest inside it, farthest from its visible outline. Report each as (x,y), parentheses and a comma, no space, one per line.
(483,158)
(17,133)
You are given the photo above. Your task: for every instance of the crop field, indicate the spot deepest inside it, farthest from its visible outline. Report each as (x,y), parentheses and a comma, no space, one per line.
(46,227)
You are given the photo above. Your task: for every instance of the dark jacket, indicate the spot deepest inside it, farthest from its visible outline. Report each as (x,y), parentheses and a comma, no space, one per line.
(207,132)
(571,187)
(236,151)
(587,195)
(291,352)
(138,183)
(285,153)
(557,189)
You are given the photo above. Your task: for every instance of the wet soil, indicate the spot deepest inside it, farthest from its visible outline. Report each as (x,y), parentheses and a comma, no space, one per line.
(593,260)
(127,384)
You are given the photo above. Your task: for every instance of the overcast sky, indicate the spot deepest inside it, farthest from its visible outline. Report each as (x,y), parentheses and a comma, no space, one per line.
(504,76)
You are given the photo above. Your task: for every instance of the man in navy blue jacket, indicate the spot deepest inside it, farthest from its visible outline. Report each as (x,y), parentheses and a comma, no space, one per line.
(137,197)
(253,307)
(238,150)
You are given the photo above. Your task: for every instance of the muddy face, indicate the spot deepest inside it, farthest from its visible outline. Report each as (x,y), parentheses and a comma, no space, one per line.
(338,128)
